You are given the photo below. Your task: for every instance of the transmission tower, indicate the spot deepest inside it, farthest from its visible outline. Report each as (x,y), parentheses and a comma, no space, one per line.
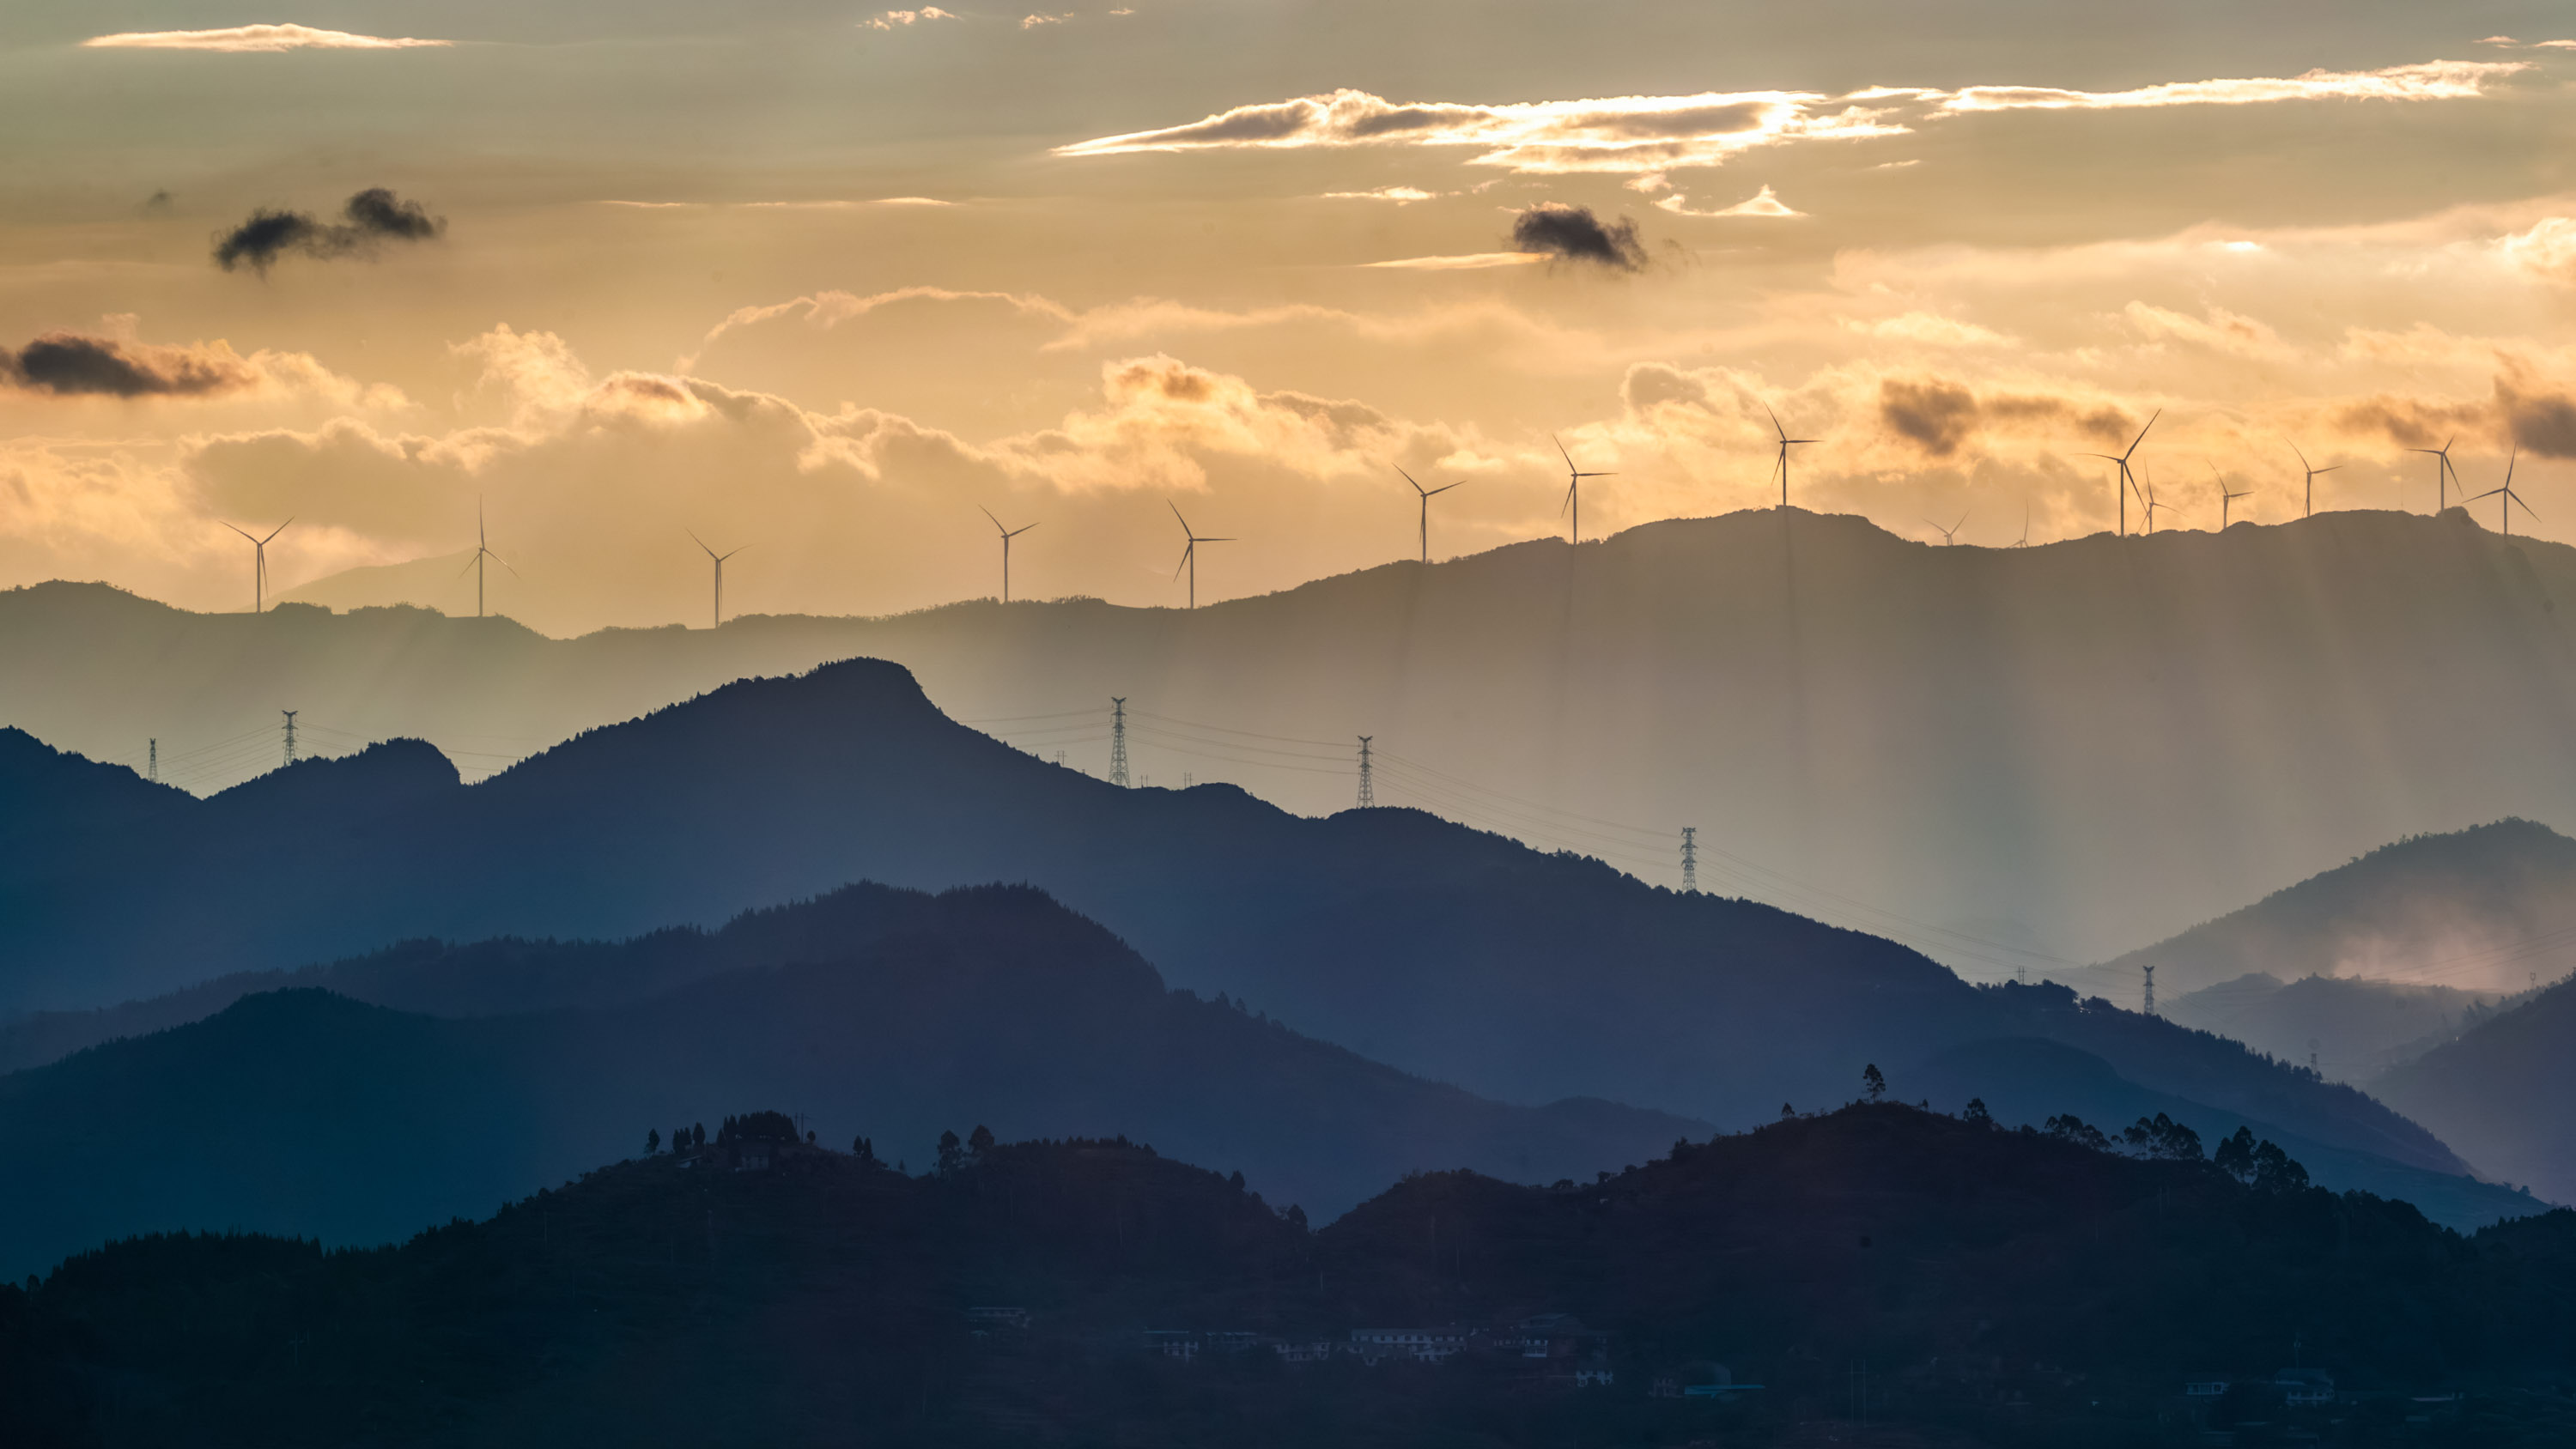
(152,764)
(1118,742)
(1690,859)
(290,733)
(1368,784)
(2150,1007)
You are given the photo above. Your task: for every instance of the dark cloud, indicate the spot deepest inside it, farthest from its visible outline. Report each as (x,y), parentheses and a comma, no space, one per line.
(157,204)
(369,219)
(1572,232)
(2542,418)
(1940,416)
(67,364)
(2414,423)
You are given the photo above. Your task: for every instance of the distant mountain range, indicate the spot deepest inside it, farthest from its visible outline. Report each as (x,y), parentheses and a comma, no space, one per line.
(361,1102)
(2004,1287)
(2021,758)
(2489,911)
(2350,1028)
(1459,956)
(2504,1090)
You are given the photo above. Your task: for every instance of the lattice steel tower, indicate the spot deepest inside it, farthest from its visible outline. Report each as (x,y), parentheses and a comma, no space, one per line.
(1368,784)
(290,733)
(1118,741)
(1690,859)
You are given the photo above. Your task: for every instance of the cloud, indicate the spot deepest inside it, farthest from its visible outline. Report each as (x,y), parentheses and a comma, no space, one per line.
(1400,195)
(2221,331)
(2540,417)
(1930,329)
(893,18)
(2438,80)
(1555,229)
(259,38)
(1032,22)
(1639,135)
(1939,416)
(68,364)
(2547,250)
(1761,203)
(1464,262)
(369,219)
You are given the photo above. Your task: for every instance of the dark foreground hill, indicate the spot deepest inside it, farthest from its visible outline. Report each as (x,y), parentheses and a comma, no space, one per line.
(2506,1090)
(304,1112)
(2002,1288)
(1458,955)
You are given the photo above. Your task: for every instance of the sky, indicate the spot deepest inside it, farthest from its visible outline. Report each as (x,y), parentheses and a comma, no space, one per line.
(848,289)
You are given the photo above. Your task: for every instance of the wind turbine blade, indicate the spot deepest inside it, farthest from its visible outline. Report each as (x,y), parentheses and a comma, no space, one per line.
(2337,467)
(1176,513)
(274,532)
(1023,528)
(988,513)
(2142,432)
(505,563)
(1560,451)
(1399,468)
(1443,488)
(1783,433)
(1185,560)
(469,565)
(244,532)
(700,542)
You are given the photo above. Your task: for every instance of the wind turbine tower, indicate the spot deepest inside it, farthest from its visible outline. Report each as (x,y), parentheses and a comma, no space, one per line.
(2224,497)
(1190,553)
(2444,475)
(1007,535)
(1427,495)
(1368,784)
(2310,511)
(2511,498)
(2128,481)
(1781,465)
(259,564)
(482,551)
(720,563)
(1573,486)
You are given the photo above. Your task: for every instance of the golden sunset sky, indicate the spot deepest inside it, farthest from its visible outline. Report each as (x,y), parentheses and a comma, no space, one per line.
(825,283)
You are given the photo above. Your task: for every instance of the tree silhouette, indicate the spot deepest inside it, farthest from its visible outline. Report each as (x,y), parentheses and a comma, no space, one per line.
(1873,1081)
(652,1140)
(951,1153)
(1977,1114)
(980,1141)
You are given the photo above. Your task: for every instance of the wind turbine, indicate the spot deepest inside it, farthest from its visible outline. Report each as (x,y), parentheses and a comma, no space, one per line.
(2224,497)
(1190,552)
(2444,474)
(2025,526)
(719,559)
(2128,482)
(482,551)
(1007,535)
(1786,443)
(2152,505)
(258,564)
(1950,535)
(1427,495)
(1573,486)
(2510,497)
(2311,510)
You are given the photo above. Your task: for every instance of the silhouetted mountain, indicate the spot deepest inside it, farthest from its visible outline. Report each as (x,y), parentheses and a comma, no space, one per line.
(2003,1288)
(2505,1091)
(2008,757)
(301,1111)
(2488,909)
(1457,955)
(2353,1028)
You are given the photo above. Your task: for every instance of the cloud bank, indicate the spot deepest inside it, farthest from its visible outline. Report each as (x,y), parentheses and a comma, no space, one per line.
(69,364)
(1643,134)
(256,38)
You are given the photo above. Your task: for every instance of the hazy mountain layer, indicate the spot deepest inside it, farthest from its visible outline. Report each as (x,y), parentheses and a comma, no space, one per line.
(2015,758)
(876,1011)
(1456,955)
(2490,910)
(2349,1028)
(2504,1092)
